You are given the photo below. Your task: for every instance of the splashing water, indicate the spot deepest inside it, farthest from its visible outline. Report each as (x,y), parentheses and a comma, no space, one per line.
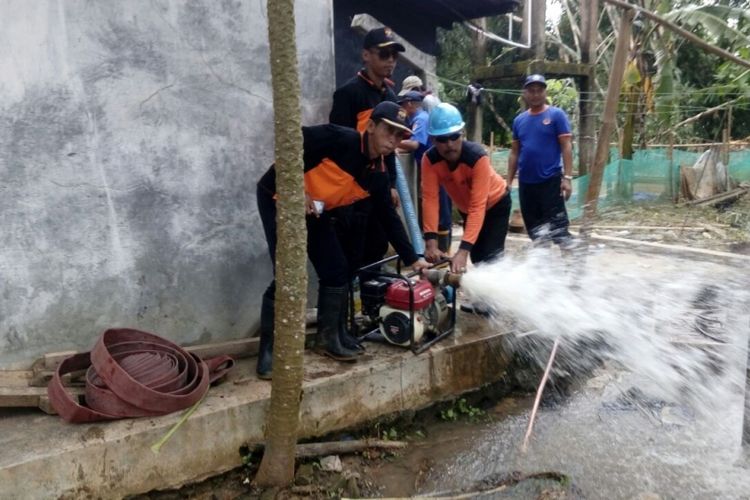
(663,411)
(681,324)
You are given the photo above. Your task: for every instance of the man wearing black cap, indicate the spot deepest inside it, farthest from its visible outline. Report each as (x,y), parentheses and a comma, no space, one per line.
(541,139)
(353,103)
(345,183)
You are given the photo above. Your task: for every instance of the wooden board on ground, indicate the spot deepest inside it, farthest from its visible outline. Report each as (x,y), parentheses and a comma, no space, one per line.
(15,391)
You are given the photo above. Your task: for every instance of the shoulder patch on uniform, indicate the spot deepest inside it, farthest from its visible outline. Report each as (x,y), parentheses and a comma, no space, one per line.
(433,155)
(471,152)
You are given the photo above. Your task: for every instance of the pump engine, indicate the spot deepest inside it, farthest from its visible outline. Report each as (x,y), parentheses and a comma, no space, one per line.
(396,305)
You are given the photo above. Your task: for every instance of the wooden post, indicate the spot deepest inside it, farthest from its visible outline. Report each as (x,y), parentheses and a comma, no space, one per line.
(538,24)
(608,120)
(670,154)
(587,120)
(727,137)
(479,58)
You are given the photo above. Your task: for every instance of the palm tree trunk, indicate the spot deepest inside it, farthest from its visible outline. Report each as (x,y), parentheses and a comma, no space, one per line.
(282,421)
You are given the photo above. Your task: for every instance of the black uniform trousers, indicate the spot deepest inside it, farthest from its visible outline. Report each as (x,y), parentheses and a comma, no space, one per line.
(490,243)
(543,210)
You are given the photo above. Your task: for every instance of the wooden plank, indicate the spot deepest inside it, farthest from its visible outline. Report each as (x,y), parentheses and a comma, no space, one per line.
(717,198)
(673,248)
(647,228)
(30,397)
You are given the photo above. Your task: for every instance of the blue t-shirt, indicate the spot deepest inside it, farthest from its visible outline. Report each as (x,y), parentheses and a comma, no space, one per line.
(418,124)
(540,156)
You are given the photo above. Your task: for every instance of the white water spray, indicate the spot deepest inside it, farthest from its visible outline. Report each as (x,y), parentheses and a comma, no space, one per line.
(681,326)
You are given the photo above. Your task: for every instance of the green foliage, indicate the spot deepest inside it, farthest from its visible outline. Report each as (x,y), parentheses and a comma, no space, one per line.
(390,434)
(684,78)
(460,409)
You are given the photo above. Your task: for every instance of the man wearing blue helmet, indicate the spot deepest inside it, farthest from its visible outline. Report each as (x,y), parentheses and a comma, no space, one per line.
(480,194)
(542,154)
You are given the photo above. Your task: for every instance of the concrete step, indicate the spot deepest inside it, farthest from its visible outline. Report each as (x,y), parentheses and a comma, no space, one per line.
(41,456)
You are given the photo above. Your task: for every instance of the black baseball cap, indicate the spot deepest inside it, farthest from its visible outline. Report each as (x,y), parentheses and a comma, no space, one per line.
(380,38)
(392,114)
(410,96)
(536,78)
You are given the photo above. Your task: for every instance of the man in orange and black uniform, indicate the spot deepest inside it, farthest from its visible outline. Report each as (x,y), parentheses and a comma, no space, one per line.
(353,103)
(481,194)
(345,183)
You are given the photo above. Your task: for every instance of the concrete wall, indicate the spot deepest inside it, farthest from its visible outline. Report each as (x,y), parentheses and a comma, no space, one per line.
(131,137)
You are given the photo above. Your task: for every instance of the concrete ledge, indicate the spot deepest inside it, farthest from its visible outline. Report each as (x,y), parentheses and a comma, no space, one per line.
(43,457)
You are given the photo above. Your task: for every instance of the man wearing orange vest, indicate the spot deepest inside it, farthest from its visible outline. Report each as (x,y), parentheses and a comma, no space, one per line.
(345,184)
(480,194)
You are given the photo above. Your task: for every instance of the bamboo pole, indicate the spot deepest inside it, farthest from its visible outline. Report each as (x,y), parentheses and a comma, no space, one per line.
(682,32)
(702,114)
(609,118)
(539,393)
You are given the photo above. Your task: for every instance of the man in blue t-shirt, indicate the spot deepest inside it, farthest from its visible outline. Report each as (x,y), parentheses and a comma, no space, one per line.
(419,142)
(541,139)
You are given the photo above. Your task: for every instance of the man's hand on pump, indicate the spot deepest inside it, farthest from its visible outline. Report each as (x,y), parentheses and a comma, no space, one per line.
(420,265)
(432,253)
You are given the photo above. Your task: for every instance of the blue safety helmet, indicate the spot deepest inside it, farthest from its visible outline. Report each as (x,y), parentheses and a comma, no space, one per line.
(445,119)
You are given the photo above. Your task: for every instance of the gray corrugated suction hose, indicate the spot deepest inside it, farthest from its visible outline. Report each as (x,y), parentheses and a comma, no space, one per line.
(408,207)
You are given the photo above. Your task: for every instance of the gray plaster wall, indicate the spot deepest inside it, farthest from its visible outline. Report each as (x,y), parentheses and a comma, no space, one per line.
(131,137)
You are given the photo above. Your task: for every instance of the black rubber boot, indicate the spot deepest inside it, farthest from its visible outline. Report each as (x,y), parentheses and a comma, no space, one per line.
(265,350)
(347,339)
(331,301)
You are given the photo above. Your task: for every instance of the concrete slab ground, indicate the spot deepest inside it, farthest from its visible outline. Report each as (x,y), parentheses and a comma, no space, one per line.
(41,456)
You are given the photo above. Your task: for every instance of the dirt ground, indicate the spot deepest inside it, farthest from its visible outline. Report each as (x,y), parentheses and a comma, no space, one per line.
(434,434)
(725,227)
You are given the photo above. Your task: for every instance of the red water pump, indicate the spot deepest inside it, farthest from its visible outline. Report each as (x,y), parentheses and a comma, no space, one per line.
(408,312)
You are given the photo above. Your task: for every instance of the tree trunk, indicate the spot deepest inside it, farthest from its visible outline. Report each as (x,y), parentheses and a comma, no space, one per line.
(628,131)
(589,10)
(282,421)
(608,119)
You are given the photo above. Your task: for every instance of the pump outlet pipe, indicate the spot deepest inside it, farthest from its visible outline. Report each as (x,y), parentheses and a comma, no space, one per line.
(408,207)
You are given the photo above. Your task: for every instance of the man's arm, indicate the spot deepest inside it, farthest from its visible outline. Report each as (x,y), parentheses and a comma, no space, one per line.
(430,210)
(408,145)
(566,146)
(386,213)
(513,161)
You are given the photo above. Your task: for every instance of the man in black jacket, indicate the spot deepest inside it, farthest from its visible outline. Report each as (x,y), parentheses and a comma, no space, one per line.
(345,184)
(353,103)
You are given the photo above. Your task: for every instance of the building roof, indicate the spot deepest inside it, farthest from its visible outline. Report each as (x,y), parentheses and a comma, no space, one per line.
(445,12)
(417,20)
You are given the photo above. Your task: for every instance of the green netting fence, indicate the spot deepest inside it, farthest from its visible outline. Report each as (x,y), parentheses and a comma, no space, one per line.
(649,176)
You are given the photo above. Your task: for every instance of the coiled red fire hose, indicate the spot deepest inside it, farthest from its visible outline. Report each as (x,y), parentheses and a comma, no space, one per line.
(130,373)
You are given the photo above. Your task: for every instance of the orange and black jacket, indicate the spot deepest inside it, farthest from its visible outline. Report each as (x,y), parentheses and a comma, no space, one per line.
(353,103)
(473,185)
(339,172)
